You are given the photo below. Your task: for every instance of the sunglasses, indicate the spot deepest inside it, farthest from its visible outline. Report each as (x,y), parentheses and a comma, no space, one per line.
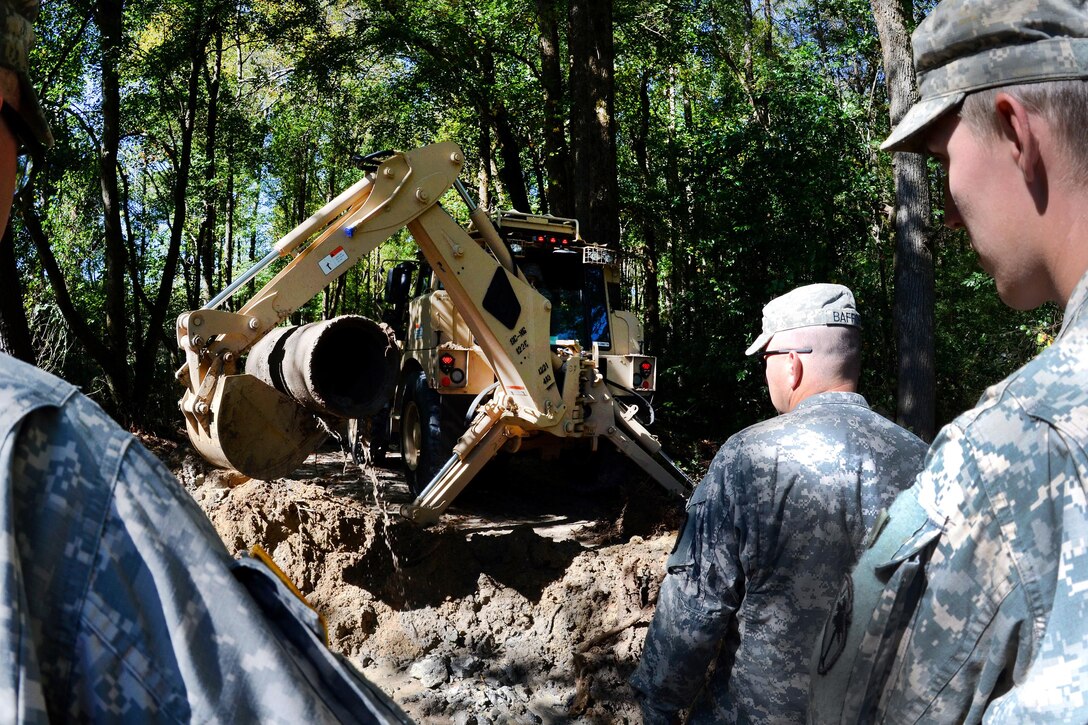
(786,350)
(767,353)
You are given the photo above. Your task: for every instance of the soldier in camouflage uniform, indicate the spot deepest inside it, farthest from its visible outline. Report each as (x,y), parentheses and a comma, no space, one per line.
(970,606)
(775,526)
(119,602)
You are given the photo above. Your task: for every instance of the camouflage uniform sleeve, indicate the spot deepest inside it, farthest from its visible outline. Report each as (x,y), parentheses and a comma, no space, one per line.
(1006,529)
(699,595)
(269,662)
(125,606)
(1055,686)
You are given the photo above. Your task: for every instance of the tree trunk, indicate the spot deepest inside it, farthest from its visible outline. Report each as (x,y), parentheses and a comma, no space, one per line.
(540,177)
(228,261)
(147,352)
(206,242)
(15,337)
(511,173)
(302,190)
(108,14)
(556,157)
(251,285)
(483,148)
(91,339)
(747,73)
(768,30)
(680,217)
(914,293)
(648,219)
(134,263)
(593,125)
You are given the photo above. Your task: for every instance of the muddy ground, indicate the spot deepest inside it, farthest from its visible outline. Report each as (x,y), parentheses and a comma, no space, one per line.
(527,603)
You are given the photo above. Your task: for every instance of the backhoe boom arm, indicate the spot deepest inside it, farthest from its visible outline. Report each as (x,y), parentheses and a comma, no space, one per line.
(262,421)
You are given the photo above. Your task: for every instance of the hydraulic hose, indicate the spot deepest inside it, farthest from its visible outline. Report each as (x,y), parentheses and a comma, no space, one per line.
(642,400)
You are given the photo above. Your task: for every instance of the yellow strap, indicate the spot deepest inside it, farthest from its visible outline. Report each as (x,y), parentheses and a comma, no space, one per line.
(259,553)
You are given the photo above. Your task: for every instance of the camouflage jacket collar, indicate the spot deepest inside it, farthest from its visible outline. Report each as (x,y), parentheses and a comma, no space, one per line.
(833,398)
(1074,309)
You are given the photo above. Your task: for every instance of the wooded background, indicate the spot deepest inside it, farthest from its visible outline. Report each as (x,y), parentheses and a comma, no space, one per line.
(728,147)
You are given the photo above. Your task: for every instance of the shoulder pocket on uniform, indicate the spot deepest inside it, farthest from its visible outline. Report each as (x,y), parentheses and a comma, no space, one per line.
(681,556)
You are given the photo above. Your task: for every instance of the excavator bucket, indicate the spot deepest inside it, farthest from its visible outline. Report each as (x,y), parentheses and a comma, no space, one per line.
(264,423)
(266,427)
(255,429)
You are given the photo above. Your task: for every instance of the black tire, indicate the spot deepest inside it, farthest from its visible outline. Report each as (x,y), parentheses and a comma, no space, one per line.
(429,428)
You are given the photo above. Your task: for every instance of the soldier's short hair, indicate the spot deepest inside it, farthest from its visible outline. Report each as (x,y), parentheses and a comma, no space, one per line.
(1064,104)
(836,349)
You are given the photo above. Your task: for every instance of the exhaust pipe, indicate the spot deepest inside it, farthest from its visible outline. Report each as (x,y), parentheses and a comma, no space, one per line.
(344,367)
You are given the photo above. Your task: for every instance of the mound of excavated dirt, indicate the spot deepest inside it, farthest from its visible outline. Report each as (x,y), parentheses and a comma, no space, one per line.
(528,603)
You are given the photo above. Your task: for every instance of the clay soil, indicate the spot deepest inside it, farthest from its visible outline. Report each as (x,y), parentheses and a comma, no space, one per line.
(527,603)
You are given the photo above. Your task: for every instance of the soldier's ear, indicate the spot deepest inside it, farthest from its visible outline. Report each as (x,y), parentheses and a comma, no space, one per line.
(796,371)
(1020,132)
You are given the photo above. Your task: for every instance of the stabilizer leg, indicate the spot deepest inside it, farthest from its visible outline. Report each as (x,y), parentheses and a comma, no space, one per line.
(484,438)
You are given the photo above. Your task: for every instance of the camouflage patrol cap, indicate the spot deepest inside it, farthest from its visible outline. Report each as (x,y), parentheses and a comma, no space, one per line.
(808,306)
(969,45)
(16,38)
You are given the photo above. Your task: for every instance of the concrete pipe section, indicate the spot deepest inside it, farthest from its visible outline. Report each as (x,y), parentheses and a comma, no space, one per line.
(345,367)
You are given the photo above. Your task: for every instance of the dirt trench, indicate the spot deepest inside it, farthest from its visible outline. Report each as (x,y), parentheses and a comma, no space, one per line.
(527,603)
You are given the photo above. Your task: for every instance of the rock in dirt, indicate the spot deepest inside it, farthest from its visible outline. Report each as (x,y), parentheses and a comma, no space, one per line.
(430,671)
(463,666)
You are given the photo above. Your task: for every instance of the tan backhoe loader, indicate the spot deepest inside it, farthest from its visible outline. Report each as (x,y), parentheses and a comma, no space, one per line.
(485,336)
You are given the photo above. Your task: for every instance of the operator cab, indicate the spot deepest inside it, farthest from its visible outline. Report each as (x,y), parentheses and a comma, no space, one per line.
(565,269)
